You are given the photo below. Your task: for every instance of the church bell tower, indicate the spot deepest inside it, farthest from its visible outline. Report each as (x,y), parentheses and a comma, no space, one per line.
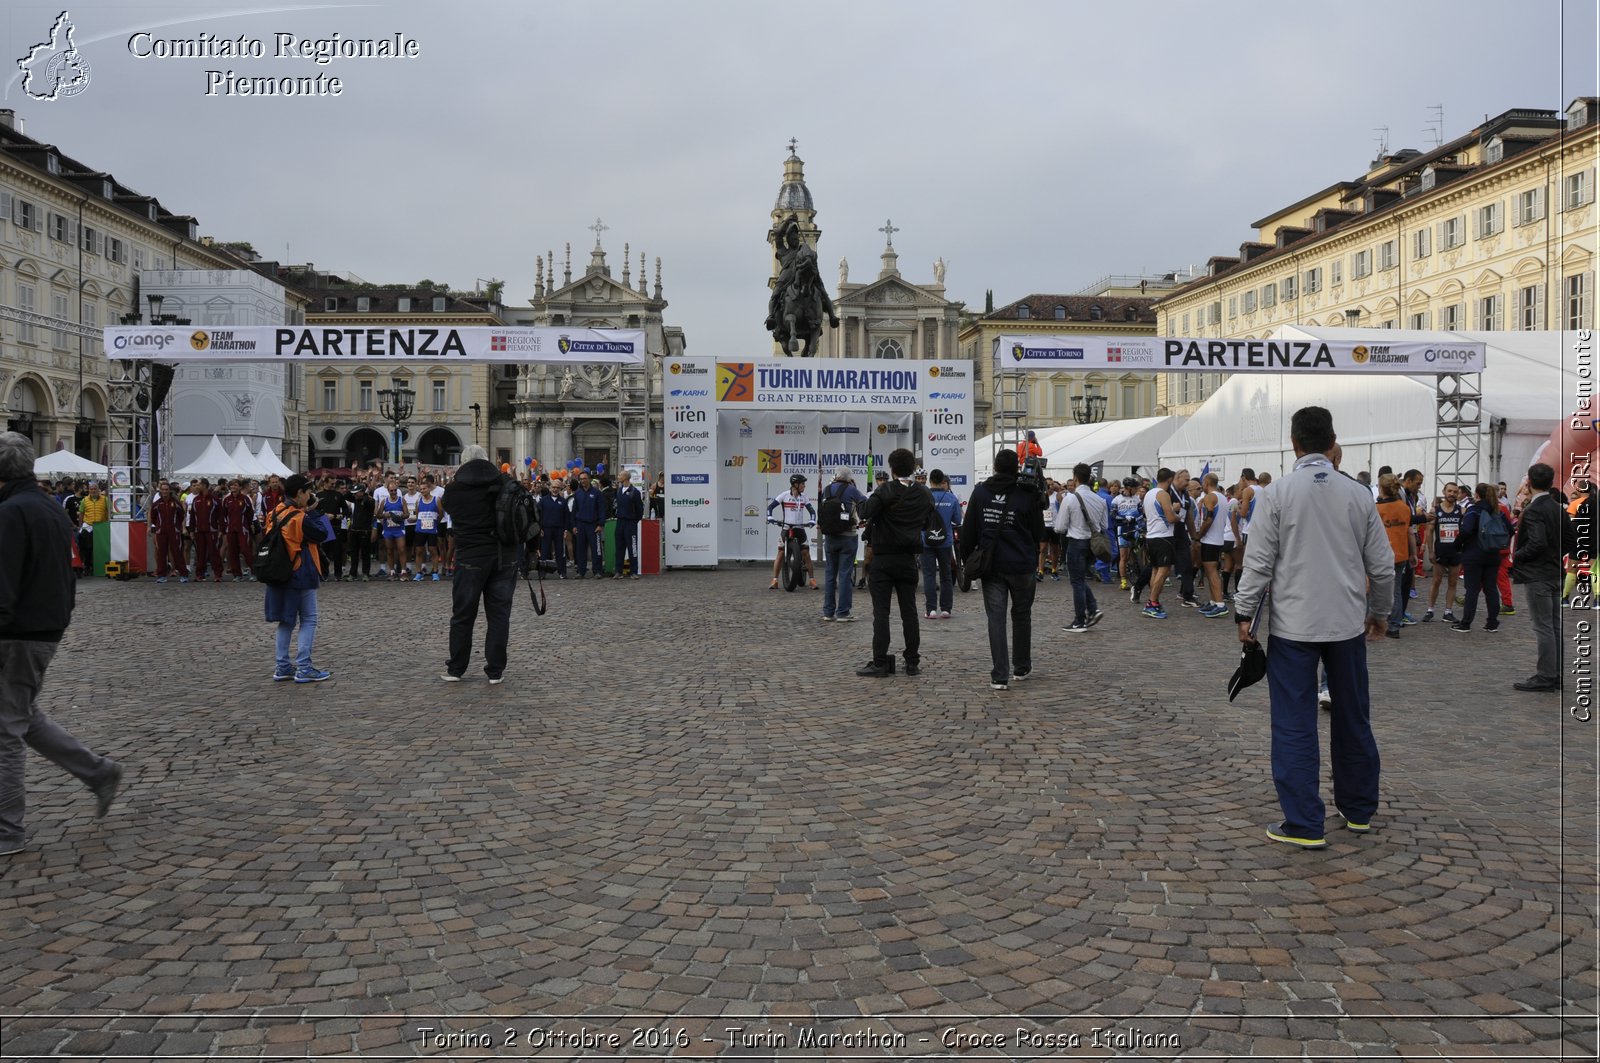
(794,198)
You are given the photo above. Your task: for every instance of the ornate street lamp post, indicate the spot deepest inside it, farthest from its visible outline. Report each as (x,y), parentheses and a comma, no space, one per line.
(397,404)
(1090,407)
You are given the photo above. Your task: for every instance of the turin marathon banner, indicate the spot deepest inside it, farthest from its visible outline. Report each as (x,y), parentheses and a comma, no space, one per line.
(375,343)
(736,431)
(1176,355)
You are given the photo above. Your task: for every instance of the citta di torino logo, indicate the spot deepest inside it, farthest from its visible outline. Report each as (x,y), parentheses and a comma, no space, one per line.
(54,69)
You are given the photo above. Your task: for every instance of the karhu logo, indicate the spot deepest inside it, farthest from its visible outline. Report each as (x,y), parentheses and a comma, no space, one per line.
(55,69)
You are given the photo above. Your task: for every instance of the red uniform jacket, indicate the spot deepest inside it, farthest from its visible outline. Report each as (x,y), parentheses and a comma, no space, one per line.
(166,516)
(205,514)
(238,513)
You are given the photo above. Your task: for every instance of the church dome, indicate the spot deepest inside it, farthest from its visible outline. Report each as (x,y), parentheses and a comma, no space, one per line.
(793,195)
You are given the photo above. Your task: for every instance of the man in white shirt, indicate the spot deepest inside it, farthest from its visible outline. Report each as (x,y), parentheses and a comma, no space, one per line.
(1080,512)
(1160,511)
(1211,527)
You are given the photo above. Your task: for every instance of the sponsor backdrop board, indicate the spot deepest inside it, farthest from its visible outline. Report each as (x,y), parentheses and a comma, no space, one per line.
(1176,354)
(736,431)
(267,343)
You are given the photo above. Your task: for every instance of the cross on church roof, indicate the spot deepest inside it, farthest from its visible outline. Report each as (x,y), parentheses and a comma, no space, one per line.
(597,228)
(888,231)
(793,144)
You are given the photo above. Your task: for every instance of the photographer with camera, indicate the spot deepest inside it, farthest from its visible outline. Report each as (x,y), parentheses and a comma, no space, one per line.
(999,544)
(900,513)
(295,601)
(486,568)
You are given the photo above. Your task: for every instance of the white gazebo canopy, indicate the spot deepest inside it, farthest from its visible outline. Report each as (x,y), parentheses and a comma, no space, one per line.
(246,461)
(214,462)
(269,462)
(66,463)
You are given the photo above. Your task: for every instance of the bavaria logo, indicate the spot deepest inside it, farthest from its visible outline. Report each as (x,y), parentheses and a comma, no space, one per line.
(691,478)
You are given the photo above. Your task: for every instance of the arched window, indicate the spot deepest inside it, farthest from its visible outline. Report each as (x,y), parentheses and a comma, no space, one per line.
(1061,312)
(1022,312)
(890,349)
(1096,312)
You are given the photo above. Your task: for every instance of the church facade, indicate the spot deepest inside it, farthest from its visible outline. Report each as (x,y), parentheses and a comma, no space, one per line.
(602,414)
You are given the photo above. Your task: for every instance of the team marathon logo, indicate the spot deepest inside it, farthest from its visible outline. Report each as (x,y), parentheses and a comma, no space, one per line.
(1361,354)
(54,69)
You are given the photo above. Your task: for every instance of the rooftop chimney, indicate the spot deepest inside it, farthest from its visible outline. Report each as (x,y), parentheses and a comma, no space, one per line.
(8,119)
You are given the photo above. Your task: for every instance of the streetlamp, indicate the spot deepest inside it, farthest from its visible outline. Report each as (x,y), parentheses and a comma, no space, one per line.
(396,404)
(477,413)
(1090,407)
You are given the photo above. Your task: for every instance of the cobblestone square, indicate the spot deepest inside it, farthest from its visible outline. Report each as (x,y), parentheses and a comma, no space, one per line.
(682,812)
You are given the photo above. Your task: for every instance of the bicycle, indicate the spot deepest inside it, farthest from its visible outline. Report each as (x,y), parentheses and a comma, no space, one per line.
(794,554)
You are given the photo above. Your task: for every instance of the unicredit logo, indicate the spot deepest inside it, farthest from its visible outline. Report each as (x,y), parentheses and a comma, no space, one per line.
(684,434)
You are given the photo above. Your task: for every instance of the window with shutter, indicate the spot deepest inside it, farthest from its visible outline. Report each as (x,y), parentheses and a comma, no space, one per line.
(1336,272)
(5,206)
(1421,320)
(1579,299)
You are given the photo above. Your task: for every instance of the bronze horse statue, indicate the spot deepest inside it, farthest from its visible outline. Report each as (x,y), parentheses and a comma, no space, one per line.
(799,302)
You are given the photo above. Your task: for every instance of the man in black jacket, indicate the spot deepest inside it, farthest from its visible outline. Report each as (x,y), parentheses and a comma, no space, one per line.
(486,568)
(37,594)
(1536,564)
(1009,521)
(898,511)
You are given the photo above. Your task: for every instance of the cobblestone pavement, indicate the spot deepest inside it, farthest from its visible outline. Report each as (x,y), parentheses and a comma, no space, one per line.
(682,812)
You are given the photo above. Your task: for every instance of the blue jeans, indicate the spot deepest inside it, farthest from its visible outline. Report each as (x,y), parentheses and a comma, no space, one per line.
(1083,601)
(1296,755)
(838,580)
(938,579)
(1019,588)
(308,633)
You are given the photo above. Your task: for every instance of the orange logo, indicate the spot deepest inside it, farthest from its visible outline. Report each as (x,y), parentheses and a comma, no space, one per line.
(736,381)
(769,461)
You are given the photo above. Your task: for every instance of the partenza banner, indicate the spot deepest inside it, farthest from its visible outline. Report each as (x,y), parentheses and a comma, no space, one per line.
(1175,355)
(374,343)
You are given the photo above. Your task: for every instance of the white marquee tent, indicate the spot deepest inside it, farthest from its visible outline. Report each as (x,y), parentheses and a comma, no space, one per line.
(270,463)
(1383,420)
(212,463)
(66,463)
(1123,446)
(247,461)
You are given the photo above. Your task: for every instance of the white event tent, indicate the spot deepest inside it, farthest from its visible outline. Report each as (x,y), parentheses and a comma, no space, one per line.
(212,463)
(66,463)
(1383,419)
(270,463)
(247,461)
(1121,446)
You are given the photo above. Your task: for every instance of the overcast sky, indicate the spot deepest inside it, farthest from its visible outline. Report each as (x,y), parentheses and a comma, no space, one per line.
(1036,146)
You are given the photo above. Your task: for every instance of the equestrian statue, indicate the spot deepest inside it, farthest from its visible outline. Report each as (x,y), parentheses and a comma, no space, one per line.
(798,303)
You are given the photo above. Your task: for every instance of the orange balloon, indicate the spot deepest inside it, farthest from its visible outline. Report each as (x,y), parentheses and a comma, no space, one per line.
(505,466)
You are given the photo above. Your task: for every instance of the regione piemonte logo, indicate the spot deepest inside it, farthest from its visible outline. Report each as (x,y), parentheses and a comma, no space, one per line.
(54,69)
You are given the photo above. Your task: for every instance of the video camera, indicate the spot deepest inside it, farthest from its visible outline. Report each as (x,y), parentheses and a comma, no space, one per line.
(1031,476)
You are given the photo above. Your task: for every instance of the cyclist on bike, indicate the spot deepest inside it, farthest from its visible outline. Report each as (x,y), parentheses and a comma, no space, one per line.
(798,513)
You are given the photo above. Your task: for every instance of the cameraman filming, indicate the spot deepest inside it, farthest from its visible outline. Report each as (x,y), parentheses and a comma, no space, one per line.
(486,569)
(1005,518)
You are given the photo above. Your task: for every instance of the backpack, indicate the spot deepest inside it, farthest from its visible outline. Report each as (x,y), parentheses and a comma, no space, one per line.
(1494,531)
(516,514)
(273,564)
(835,516)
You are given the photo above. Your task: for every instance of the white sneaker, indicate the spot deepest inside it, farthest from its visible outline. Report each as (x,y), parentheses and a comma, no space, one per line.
(944,614)
(497,680)
(448,678)
(931,616)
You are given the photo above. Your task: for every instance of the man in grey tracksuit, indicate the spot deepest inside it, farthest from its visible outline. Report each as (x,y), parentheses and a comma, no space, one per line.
(1316,542)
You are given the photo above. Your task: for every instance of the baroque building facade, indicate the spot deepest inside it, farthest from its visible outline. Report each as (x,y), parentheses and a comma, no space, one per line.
(601,414)
(74,244)
(1492,230)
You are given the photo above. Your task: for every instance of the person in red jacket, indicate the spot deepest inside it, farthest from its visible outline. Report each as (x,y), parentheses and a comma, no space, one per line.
(205,526)
(1029,448)
(166,528)
(238,520)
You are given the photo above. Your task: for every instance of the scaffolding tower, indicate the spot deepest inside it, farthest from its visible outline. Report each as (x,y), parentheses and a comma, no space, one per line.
(1458,427)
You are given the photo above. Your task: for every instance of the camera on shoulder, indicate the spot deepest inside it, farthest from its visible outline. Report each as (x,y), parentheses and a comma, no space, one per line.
(1031,476)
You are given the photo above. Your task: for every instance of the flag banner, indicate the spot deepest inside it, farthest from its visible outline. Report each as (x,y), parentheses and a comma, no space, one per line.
(1179,355)
(375,343)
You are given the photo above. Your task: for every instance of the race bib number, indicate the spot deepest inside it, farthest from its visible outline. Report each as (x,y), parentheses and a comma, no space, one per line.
(425,521)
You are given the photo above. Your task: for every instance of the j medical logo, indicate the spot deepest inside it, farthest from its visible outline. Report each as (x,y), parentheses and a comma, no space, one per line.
(691,478)
(689,502)
(686,434)
(54,69)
